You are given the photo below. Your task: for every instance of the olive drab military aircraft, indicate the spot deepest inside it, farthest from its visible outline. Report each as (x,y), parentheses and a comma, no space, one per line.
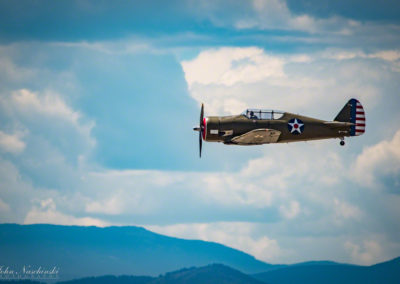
(258,126)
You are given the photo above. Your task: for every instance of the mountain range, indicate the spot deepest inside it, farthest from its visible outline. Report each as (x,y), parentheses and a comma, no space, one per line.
(79,251)
(119,254)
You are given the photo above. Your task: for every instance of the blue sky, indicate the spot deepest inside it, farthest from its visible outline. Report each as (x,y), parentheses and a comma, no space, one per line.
(98,101)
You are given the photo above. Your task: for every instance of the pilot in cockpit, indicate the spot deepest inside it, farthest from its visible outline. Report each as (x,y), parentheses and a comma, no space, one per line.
(252,115)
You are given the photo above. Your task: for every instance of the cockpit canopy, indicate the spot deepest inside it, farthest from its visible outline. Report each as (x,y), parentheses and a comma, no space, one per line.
(253,113)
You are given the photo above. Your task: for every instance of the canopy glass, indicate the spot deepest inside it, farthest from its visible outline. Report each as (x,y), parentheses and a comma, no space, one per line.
(253,113)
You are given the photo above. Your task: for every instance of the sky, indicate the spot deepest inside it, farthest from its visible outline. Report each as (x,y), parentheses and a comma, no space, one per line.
(98,100)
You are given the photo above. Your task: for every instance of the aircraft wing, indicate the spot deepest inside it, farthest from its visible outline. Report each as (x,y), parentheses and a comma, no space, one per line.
(257,136)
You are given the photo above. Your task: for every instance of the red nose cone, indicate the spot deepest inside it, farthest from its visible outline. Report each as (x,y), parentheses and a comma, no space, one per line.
(204,128)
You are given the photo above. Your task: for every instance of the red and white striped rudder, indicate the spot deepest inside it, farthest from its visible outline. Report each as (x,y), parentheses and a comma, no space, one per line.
(357,117)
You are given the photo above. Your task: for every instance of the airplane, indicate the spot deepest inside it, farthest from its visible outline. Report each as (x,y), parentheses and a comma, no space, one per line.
(258,126)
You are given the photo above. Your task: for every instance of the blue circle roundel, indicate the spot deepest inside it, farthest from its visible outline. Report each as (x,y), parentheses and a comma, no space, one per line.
(295,126)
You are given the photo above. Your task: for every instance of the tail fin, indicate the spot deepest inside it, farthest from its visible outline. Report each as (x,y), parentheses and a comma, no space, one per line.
(353,112)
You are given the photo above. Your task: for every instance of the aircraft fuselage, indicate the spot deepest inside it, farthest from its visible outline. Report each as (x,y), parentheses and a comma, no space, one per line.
(224,128)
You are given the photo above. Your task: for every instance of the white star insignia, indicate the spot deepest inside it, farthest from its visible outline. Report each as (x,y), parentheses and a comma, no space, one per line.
(296,126)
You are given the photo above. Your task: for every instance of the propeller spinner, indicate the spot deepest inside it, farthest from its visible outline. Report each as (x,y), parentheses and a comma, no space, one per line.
(200,128)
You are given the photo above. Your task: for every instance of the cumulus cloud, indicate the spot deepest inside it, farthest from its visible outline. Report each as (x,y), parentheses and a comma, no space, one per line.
(337,54)
(227,189)
(45,211)
(262,185)
(304,28)
(11,143)
(364,253)
(50,104)
(13,73)
(4,206)
(346,210)
(15,193)
(389,55)
(291,210)
(275,14)
(230,79)
(55,139)
(234,234)
(133,192)
(228,66)
(25,109)
(378,162)
(272,15)
(146,194)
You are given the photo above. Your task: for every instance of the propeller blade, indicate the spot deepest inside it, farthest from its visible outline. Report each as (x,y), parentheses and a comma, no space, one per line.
(201,128)
(201,115)
(200,143)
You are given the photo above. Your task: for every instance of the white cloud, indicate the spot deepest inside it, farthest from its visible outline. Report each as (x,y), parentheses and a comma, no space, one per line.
(346,210)
(378,161)
(273,15)
(228,189)
(290,211)
(13,73)
(49,104)
(52,139)
(46,212)
(146,192)
(229,79)
(337,54)
(388,55)
(116,192)
(114,47)
(229,66)
(26,110)
(263,183)
(4,206)
(234,234)
(122,201)
(111,206)
(365,253)
(15,193)
(11,143)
